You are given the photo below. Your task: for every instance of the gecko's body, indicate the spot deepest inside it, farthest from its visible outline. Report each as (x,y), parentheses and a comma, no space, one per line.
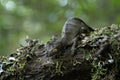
(72,28)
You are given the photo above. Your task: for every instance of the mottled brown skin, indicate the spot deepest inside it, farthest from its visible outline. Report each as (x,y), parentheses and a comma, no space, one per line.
(73,27)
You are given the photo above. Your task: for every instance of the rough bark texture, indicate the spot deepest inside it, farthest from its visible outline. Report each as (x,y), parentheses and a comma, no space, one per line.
(95,56)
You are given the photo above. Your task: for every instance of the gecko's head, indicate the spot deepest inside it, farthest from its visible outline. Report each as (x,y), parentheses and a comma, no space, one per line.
(80,23)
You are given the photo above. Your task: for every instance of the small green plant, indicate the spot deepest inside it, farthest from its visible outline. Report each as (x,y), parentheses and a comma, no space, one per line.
(98,71)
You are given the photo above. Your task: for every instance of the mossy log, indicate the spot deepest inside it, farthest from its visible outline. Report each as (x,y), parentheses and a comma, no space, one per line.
(96,57)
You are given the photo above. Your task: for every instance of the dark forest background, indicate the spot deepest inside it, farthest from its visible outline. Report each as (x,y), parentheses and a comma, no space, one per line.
(40,19)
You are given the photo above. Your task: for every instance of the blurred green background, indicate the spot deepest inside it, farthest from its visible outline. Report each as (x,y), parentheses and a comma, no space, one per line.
(40,19)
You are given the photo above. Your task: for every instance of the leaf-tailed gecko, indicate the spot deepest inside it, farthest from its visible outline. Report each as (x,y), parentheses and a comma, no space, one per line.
(72,27)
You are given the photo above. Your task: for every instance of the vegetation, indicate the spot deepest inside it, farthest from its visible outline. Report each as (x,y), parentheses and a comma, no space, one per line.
(97,57)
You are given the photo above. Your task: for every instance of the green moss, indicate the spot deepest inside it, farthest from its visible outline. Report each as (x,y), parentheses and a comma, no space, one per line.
(25,58)
(58,67)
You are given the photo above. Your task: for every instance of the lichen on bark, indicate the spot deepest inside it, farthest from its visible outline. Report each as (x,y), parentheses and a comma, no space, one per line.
(96,57)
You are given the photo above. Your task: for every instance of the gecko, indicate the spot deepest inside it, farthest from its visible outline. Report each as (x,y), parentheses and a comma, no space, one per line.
(72,27)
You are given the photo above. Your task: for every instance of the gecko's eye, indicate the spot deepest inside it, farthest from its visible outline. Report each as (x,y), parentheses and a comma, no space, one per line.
(83,28)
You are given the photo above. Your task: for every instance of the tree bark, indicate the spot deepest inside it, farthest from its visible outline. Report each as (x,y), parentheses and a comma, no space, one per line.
(96,57)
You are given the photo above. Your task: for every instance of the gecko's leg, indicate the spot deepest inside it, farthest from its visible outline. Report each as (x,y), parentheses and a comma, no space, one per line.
(73,48)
